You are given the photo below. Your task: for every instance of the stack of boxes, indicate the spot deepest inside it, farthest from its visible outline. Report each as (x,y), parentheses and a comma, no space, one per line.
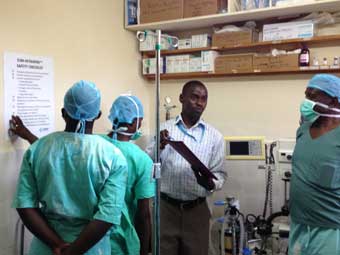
(217,62)
(160,10)
(288,30)
(183,63)
(149,66)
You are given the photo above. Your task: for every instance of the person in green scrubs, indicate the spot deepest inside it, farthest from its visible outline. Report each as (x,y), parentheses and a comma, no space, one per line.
(72,184)
(126,116)
(133,235)
(315,183)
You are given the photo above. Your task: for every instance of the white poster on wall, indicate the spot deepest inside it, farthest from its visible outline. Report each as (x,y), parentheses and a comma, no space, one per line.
(29,91)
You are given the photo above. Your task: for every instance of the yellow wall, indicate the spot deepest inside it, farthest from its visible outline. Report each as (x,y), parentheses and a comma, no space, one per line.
(86,40)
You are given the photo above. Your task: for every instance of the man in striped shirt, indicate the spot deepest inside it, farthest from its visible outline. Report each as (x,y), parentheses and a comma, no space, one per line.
(184,211)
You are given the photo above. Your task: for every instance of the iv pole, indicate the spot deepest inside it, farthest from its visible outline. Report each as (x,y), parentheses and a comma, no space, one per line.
(141,36)
(157,163)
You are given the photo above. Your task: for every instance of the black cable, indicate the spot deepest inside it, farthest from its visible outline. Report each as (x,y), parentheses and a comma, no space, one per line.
(270,177)
(270,191)
(269,182)
(266,198)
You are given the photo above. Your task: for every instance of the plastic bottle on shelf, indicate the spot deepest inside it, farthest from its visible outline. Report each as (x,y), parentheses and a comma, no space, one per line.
(336,61)
(304,57)
(325,62)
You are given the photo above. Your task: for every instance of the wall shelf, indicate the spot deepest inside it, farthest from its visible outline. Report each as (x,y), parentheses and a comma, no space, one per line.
(176,76)
(256,14)
(308,41)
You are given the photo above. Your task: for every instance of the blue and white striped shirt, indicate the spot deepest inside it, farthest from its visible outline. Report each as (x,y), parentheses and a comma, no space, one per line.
(178,180)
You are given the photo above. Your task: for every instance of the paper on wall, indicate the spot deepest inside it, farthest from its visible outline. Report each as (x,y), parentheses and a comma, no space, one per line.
(29,92)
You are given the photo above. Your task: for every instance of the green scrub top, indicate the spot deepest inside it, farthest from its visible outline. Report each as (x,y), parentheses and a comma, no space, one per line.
(140,185)
(306,240)
(315,183)
(73,178)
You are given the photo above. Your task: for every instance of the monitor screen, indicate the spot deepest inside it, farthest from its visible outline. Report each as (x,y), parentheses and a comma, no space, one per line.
(239,148)
(244,147)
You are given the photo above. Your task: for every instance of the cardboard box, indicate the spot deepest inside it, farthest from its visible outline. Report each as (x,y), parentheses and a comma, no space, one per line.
(178,63)
(230,39)
(263,63)
(195,64)
(169,64)
(184,63)
(150,42)
(208,60)
(184,44)
(288,30)
(149,65)
(240,63)
(193,8)
(200,41)
(159,10)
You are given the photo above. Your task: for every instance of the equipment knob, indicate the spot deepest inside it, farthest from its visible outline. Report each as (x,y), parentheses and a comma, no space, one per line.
(288,174)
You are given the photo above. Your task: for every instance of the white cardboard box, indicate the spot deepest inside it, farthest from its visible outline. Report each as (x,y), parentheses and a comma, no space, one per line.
(149,65)
(288,30)
(184,44)
(185,63)
(200,41)
(208,60)
(195,64)
(150,42)
(178,63)
(169,64)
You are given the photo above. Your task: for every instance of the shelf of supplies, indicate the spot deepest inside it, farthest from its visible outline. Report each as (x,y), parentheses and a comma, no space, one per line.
(309,41)
(256,14)
(176,76)
(151,54)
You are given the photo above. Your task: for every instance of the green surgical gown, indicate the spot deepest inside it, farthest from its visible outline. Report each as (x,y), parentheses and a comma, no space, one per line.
(307,240)
(315,192)
(140,185)
(73,178)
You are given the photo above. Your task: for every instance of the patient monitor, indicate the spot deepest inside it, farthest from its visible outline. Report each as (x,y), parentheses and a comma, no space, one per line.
(245,147)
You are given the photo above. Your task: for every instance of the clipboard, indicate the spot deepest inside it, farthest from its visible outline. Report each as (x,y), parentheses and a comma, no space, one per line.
(189,156)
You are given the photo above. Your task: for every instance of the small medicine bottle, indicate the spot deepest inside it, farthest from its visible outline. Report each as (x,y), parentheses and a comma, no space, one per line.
(324,62)
(304,57)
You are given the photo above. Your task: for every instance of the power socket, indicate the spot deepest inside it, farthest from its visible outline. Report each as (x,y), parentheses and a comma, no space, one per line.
(285,156)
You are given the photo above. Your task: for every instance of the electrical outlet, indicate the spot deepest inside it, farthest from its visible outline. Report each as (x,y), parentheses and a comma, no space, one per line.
(285,156)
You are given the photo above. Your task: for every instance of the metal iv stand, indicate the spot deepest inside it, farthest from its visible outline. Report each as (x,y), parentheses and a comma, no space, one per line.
(141,36)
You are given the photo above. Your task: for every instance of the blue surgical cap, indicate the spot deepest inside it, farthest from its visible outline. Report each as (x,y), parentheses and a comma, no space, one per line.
(82,102)
(125,109)
(327,83)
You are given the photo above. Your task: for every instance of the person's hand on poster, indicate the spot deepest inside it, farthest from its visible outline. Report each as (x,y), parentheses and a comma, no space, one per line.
(18,128)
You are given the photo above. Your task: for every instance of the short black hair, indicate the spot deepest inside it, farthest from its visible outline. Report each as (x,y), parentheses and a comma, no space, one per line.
(193,84)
